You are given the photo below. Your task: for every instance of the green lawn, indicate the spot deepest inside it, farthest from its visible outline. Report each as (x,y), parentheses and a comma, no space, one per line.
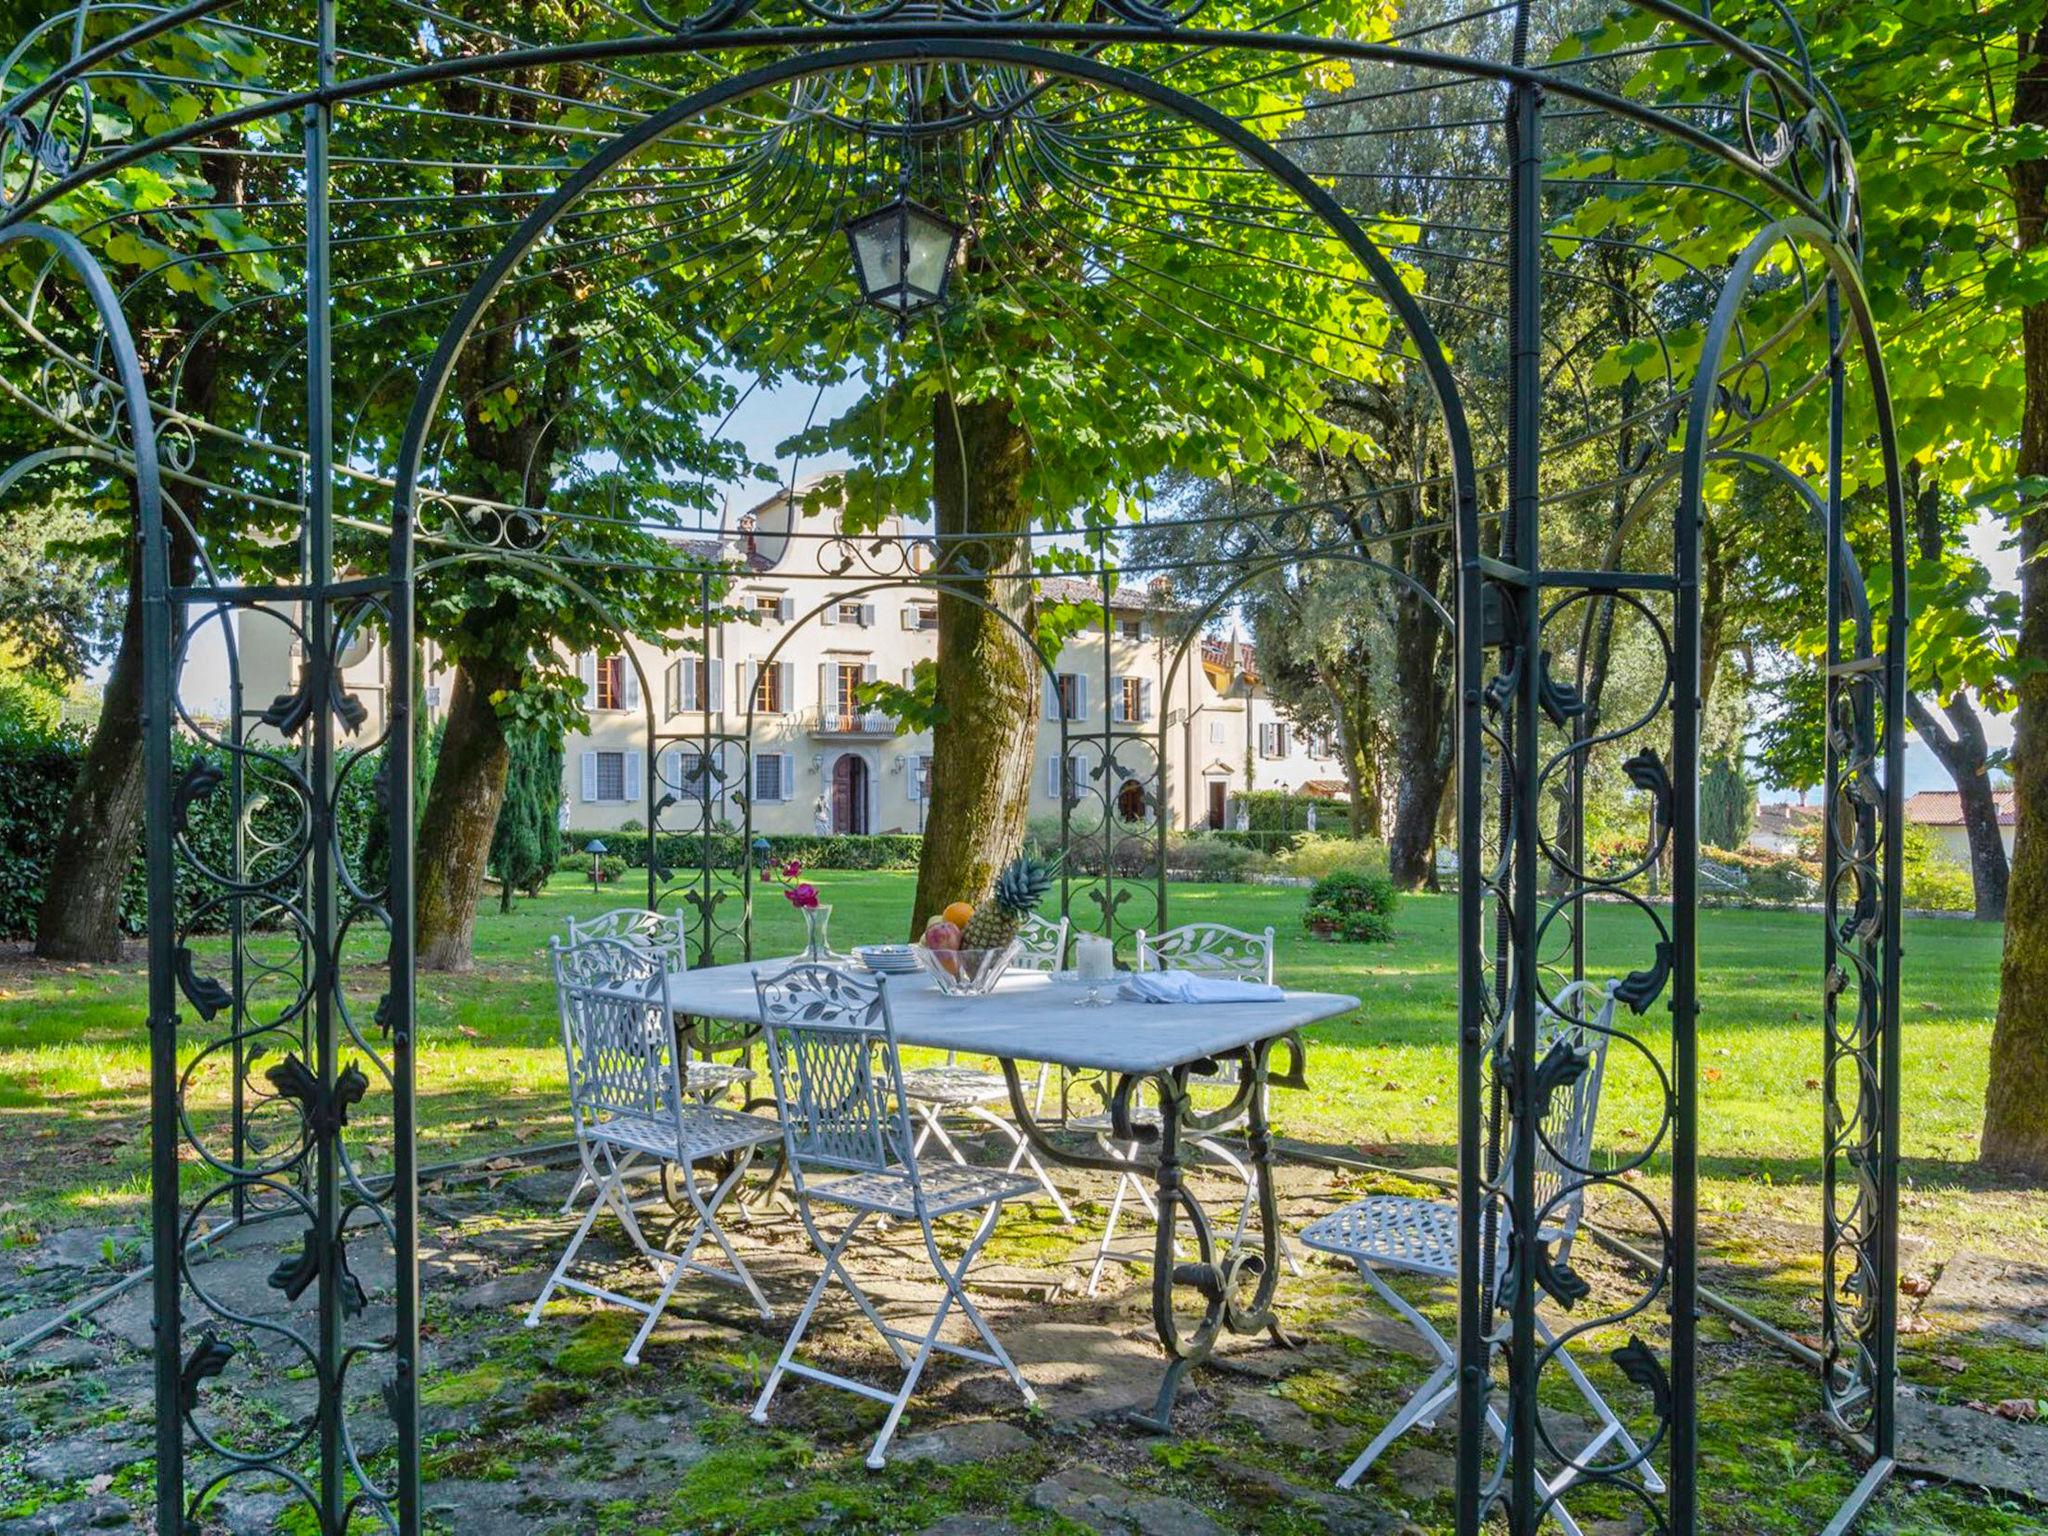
(73,1100)
(74,1105)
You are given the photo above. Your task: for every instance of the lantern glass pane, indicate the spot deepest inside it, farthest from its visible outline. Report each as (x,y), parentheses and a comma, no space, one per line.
(877,247)
(931,245)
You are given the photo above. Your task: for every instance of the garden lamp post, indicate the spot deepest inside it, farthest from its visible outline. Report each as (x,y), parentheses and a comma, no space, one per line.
(597,850)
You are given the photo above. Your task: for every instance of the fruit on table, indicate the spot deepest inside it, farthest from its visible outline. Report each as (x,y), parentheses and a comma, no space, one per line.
(940,934)
(959,914)
(1019,888)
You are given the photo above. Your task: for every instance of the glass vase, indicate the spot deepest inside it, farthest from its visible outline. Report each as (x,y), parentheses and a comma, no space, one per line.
(817,933)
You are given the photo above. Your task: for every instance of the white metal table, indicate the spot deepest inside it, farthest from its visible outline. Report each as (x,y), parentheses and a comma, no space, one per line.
(1164,1049)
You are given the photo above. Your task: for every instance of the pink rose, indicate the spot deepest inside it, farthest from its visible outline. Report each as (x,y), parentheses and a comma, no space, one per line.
(791,870)
(802,896)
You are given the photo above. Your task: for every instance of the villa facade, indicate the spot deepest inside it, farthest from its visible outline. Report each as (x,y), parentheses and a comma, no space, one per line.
(819,759)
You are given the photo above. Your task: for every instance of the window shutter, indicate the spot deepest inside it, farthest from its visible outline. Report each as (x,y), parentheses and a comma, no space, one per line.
(1052,776)
(688,681)
(632,789)
(785,608)
(913,776)
(668,773)
(785,686)
(786,778)
(715,675)
(909,618)
(1116,699)
(828,697)
(868,672)
(1080,695)
(748,673)
(672,690)
(867,615)
(831,613)
(589,778)
(632,676)
(1145,698)
(586,667)
(1052,698)
(910,677)
(1077,775)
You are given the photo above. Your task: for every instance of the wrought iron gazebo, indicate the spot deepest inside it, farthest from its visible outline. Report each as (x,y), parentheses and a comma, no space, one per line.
(318,212)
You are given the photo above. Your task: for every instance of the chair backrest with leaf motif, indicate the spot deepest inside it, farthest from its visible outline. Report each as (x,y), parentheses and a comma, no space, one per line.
(657,932)
(619,1036)
(1215,949)
(1041,944)
(838,1082)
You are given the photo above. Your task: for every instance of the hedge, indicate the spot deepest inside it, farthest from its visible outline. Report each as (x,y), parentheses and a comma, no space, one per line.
(37,772)
(681,850)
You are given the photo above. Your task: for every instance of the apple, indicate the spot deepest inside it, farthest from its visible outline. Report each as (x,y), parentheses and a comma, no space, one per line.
(940,934)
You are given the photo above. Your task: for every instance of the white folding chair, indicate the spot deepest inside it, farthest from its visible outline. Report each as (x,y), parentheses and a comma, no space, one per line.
(629,1106)
(1215,949)
(832,1053)
(935,1092)
(1420,1237)
(664,935)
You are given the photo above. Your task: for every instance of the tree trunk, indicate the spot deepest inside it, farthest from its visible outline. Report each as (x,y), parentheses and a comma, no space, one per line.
(461,813)
(2016,1102)
(1965,754)
(984,743)
(1960,747)
(80,918)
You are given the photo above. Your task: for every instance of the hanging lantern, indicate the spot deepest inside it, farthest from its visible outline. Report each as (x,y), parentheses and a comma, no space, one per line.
(903,256)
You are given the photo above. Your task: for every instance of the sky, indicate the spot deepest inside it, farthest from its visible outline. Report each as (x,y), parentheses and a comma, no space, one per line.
(765,417)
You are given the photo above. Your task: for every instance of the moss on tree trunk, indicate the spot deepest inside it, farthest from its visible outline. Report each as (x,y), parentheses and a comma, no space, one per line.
(460,815)
(988,677)
(2016,1102)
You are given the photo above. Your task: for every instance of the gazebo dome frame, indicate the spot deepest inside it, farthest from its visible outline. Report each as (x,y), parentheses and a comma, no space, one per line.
(1776,146)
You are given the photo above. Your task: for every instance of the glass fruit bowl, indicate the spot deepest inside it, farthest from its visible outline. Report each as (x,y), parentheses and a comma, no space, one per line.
(965,972)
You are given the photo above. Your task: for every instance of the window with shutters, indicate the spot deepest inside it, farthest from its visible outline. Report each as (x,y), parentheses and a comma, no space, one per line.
(847,678)
(770,694)
(768,604)
(769,783)
(611,682)
(852,613)
(611,776)
(1067,692)
(919,772)
(691,778)
(921,616)
(1269,739)
(1131,629)
(1132,698)
(1217,733)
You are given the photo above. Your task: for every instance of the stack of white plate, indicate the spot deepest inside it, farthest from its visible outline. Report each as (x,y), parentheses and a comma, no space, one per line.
(891,959)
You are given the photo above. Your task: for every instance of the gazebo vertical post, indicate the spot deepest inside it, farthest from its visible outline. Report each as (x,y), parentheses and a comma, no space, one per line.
(1522,548)
(317,554)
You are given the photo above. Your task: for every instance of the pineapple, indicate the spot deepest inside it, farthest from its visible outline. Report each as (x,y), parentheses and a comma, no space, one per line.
(1017,893)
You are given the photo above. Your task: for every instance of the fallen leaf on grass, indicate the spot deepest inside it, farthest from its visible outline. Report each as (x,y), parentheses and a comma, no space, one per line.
(1955,1365)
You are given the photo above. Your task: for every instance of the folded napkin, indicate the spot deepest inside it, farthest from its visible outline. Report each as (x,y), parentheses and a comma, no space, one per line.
(1194,987)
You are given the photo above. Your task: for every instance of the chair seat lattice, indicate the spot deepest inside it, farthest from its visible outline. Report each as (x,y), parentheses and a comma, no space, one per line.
(1406,1233)
(948,1187)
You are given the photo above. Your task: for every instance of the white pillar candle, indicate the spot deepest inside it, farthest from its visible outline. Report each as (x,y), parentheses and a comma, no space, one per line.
(1094,958)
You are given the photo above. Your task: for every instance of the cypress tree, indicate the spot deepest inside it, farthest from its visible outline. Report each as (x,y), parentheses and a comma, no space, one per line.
(528,837)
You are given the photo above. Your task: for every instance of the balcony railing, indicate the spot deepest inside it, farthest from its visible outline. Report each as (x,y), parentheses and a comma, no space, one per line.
(863,722)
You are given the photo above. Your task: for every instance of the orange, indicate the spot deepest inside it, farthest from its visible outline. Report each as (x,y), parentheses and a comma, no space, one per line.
(959,913)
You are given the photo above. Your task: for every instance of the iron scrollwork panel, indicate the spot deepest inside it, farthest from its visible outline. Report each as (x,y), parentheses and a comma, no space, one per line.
(261,958)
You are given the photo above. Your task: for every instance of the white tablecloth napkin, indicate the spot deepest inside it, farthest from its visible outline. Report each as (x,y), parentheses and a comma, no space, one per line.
(1194,987)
